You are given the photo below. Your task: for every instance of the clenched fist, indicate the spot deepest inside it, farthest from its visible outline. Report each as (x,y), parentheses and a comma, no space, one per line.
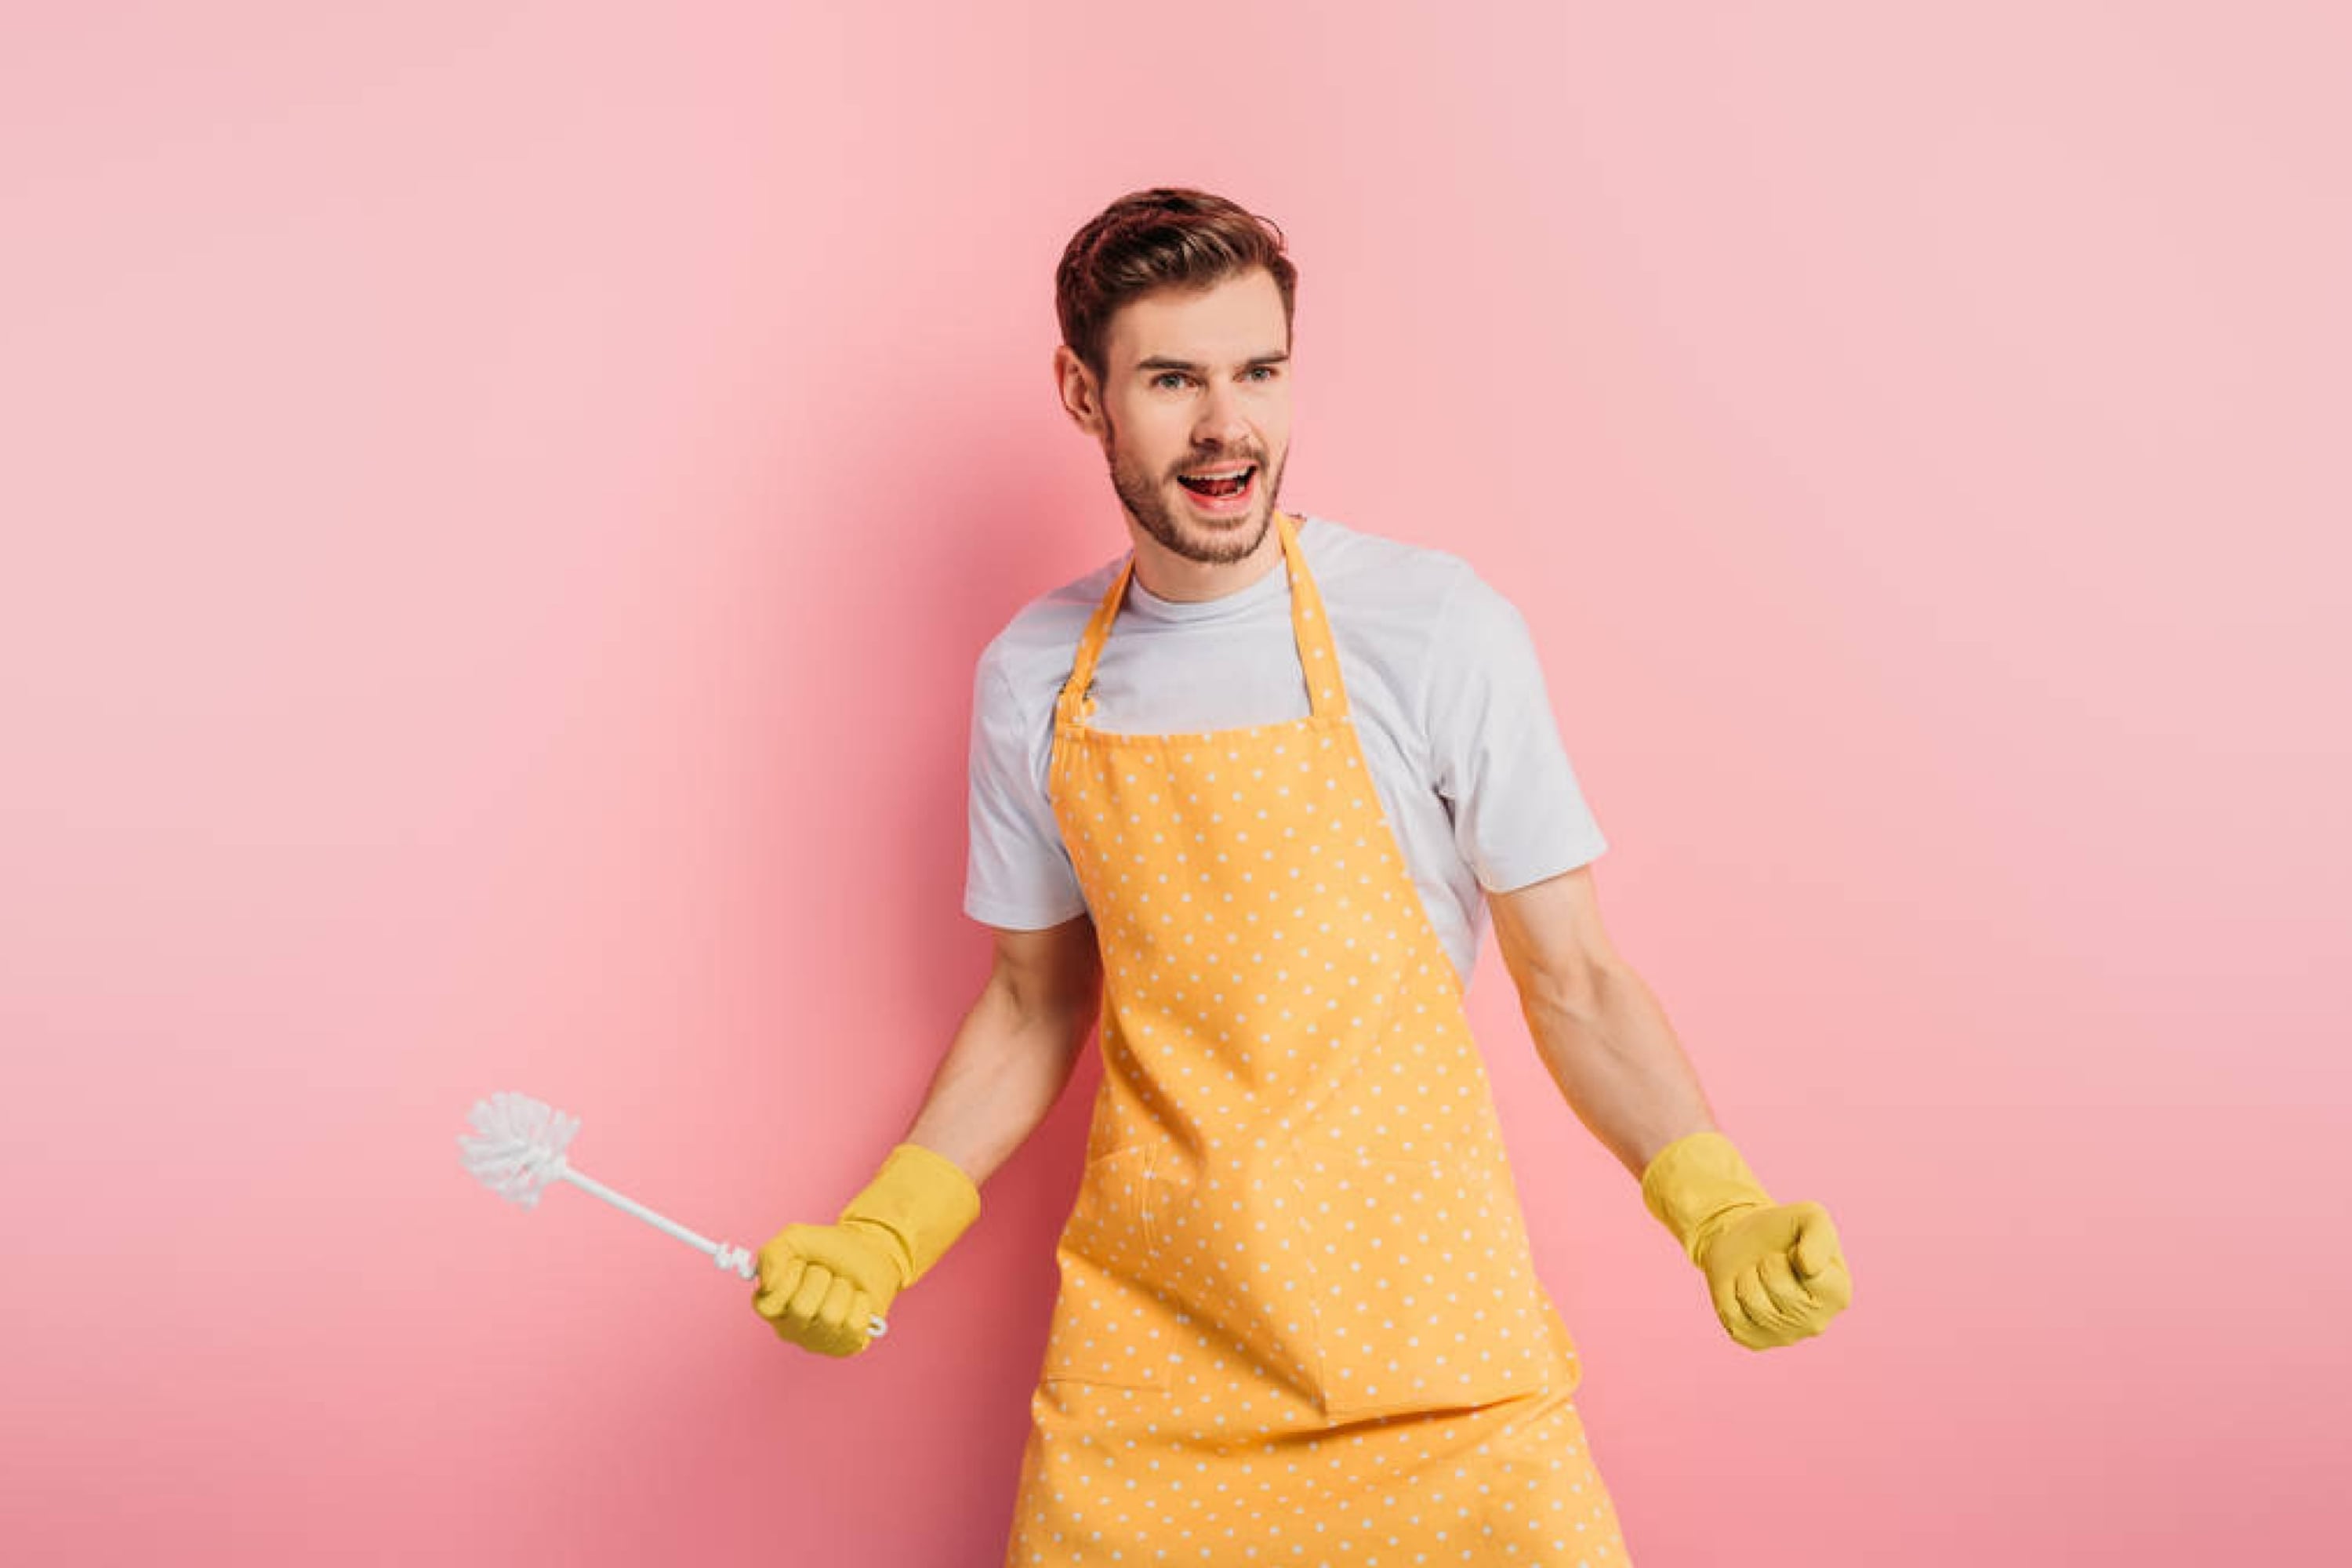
(1776,1272)
(821,1284)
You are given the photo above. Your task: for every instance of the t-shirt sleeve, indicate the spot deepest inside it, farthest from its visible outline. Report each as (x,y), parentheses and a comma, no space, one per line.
(1018,874)
(1519,813)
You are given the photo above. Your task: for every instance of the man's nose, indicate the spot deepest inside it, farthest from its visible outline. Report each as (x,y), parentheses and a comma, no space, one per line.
(1221,425)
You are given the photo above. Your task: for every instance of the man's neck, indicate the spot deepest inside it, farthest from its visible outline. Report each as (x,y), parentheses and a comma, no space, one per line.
(1165,574)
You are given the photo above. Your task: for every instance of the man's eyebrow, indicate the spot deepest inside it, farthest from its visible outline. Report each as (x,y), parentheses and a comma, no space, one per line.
(1162,361)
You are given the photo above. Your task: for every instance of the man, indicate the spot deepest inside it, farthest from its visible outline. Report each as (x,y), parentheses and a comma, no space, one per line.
(1245,789)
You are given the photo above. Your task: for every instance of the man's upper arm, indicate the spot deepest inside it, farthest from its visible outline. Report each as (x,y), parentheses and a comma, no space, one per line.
(1495,750)
(1057,969)
(1551,936)
(1017,873)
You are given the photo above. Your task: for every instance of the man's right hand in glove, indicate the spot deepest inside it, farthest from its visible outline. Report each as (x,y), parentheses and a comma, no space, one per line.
(820,1284)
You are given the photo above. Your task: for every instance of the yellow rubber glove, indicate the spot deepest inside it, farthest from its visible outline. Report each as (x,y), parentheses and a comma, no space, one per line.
(819,1284)
(1775,1271)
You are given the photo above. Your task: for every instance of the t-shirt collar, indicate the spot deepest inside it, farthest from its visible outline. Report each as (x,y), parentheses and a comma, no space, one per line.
(1149,606)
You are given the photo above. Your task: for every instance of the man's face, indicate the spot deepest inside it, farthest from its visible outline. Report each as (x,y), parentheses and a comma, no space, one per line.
(1195,384)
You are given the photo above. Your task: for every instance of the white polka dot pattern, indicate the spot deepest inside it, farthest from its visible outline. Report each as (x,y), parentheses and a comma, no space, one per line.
(1298,1320)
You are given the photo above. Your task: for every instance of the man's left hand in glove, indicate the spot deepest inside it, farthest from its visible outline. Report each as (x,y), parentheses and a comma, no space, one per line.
(1776,1271)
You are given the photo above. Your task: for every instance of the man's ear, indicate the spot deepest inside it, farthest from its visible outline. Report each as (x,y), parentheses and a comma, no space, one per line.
(1074,383)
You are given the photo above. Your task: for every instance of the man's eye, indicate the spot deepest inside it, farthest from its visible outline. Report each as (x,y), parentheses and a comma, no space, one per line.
(1261,372)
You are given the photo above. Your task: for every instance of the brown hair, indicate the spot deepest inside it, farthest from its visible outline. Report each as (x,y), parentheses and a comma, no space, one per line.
(1165,237)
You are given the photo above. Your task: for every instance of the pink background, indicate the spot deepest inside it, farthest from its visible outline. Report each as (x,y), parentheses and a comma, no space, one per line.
(502,505)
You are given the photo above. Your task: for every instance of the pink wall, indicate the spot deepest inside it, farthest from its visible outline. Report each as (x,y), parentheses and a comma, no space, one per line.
(501,503)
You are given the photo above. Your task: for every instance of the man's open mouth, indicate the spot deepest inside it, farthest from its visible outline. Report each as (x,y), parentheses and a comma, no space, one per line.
(1218,482)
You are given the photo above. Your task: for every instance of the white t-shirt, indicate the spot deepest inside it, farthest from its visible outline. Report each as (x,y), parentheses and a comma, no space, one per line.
(1442,682)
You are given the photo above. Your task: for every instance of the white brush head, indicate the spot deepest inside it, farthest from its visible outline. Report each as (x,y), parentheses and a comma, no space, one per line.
(517,1146)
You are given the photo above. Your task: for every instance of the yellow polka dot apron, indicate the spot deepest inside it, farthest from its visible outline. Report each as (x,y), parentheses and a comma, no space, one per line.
(1297,1321)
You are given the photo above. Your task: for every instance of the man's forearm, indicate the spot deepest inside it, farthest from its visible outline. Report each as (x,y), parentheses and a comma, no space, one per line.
(1006,1067)
(1609,1047)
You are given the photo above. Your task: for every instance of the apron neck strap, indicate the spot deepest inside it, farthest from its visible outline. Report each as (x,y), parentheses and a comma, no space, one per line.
(1318,656)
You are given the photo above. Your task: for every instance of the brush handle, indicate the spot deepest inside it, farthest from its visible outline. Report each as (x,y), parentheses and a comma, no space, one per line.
(727,1256)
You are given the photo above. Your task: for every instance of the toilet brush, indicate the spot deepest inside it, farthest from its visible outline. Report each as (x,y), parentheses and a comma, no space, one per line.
(517,1146)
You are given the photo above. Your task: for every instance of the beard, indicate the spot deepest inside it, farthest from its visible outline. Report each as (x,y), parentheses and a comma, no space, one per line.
(1180,529)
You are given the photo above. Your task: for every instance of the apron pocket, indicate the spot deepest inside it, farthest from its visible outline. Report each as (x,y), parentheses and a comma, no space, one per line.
(1423,1293)
(1107,1326)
